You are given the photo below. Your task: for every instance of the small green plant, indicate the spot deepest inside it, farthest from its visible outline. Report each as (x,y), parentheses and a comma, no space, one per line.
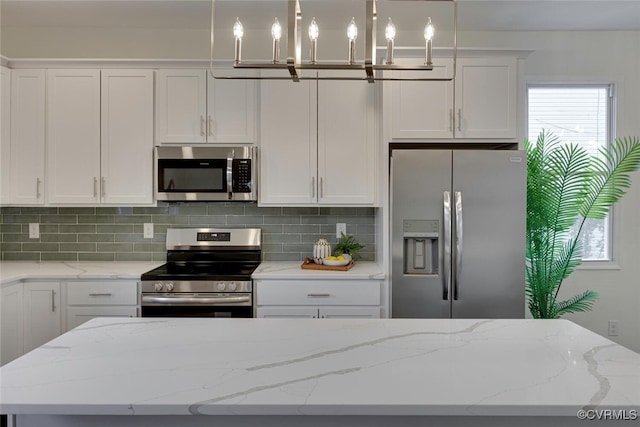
(347,245)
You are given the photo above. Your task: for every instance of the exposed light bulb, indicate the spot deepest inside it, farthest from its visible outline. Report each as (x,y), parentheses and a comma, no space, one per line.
(390,34)
(314,31)
(428,31)
(428,36)
(238,29)
(276,30)
(276,33)
(238,32)
(352,30)
(390,31)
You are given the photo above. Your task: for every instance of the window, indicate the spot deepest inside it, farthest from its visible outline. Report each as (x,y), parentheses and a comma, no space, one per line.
(579,114)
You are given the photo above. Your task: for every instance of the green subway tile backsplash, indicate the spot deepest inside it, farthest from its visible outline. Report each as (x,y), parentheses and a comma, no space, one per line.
(115,233)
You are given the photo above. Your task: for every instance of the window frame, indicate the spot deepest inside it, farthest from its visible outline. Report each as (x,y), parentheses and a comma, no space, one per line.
(612,219)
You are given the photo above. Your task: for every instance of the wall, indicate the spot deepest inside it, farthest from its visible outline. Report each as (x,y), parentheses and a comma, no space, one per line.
(115,233)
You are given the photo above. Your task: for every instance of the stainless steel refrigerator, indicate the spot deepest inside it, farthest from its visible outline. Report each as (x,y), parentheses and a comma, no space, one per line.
(458,233)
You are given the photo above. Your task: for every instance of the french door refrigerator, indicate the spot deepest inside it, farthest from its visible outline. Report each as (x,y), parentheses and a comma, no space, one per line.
(457,233)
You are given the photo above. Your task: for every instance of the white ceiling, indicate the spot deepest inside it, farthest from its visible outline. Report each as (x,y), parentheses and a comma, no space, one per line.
(529,15)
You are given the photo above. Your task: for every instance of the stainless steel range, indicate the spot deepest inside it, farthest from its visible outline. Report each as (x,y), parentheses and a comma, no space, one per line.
(207,274)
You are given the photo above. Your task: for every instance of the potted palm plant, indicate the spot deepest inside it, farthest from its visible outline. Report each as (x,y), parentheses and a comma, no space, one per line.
(565,187)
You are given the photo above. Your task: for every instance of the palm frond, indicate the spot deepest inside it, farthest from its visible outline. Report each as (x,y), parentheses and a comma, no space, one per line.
(565,186)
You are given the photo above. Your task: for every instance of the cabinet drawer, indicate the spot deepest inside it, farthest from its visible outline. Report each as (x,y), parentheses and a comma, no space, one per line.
(318,292)
(102,293)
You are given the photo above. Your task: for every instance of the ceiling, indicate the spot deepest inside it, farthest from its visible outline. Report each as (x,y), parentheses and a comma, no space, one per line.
(499,15)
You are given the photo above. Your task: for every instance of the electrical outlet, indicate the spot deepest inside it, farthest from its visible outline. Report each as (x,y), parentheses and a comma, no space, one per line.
(34,230)
(148,230)
(613,328)
(341,228)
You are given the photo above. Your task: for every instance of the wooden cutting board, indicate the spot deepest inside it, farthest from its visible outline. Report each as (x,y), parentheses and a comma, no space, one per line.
(308,264)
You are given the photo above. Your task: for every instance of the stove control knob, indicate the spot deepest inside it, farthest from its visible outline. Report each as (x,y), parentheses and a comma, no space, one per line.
(232,286)
(221,286)
(157,286)
(168,286)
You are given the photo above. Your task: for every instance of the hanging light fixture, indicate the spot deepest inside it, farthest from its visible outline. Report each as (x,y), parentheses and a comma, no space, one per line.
(314,32)
(372,69)
(276,33)
(390,35)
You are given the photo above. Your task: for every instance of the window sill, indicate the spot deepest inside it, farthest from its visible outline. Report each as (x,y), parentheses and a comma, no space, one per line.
(598,265)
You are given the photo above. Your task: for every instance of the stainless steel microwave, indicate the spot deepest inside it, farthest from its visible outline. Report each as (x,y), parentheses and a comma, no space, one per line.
(206,173)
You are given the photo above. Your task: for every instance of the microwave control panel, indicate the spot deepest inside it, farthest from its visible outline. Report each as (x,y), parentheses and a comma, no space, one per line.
(241,176)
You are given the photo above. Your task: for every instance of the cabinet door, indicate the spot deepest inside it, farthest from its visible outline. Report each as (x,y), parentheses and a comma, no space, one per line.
(288,312)
(349,312)
(73,136)
(11,329)
(76,316)
(422,109)
(42,320)
(288,141)
(231,110)
(182,106)
(485,98)
(5,126)
(27,136)
(127,136)
(347,143)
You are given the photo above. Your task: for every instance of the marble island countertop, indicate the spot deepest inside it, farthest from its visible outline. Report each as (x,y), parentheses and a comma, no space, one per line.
(419,367)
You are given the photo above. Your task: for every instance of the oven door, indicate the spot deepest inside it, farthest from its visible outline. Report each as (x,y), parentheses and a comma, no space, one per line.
(197,305)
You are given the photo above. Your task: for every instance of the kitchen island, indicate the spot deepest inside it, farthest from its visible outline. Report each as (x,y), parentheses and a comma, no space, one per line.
(338,372)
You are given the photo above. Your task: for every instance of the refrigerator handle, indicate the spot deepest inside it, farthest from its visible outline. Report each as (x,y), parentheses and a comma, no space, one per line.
(458,243)
(446,268)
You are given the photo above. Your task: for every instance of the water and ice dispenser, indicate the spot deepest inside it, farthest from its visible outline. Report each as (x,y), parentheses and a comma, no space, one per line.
(421,246)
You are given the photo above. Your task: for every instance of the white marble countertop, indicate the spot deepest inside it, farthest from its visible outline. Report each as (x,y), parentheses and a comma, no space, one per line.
(292,270)
(13,271)
(147,366)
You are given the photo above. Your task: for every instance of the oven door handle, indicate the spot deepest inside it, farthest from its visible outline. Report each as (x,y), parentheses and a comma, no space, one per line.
(197,300)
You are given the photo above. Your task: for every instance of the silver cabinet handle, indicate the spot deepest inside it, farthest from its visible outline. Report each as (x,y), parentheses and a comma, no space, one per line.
(103,187)
(313,186)
(447,246)
(451,120)
(459,120)
(53,301)
(202,124)
(38,188)
(95,187)
(321,187)
(210,126)
(458,254)
(317,295)
(98,294)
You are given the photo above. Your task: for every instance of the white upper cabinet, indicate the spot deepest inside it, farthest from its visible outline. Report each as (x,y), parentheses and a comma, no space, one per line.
(27,137)
(318,143)
(347,142)
(486,98)
(5,132)
(127,137)
(480,104)
(193,107)
(423,109)
(100,137)
(73,136)
(288,143)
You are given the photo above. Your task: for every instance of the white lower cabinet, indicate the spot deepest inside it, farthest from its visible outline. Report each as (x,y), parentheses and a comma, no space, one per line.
(318,299)
(42,318)
(100,298)
(11,336)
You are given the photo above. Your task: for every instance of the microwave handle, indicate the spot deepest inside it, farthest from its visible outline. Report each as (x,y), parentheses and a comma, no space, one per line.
(230,175)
